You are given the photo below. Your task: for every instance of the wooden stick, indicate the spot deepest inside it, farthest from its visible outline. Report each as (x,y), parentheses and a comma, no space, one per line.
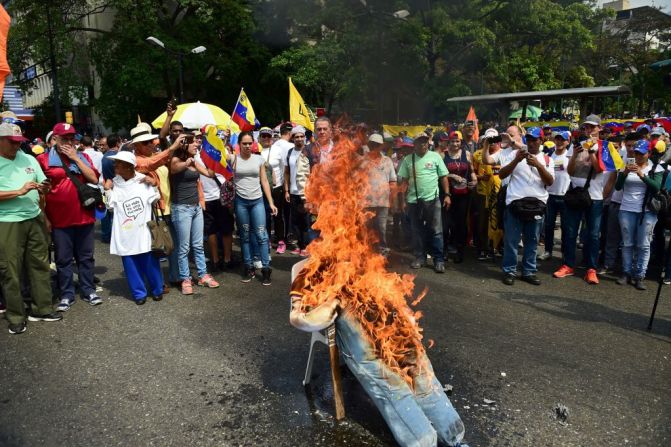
(335,374)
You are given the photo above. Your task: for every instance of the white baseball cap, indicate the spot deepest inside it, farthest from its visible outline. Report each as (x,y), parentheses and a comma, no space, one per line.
(376,138)
(12,132)
(125,156)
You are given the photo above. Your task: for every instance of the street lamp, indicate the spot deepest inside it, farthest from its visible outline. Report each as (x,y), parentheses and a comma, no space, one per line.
(180,55)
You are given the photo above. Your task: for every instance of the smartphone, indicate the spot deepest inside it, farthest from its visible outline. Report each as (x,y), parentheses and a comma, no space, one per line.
(188,139)
(631,161)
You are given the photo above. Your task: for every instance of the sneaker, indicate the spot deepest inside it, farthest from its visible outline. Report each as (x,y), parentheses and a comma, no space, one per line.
(604,270)
(258,265)
(591,277)
(53,316)
(3,309)
(640,285)
(208,281)
(509,279)
(187,287)
(531,279)
(563,272)
(295,251)
(93,299)
(622,280)
(99,289)
(141,301)
(281,247)
(64,305)
(304,253)
(439,267)
(545,256)
(266,276)
(247,274)
(666,281)
(417,264)
(483,256)
(17,328)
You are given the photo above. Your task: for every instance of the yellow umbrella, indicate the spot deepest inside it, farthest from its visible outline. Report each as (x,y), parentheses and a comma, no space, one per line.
(195,115)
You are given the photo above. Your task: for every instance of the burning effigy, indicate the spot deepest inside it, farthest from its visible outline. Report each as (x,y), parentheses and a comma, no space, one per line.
(345,282)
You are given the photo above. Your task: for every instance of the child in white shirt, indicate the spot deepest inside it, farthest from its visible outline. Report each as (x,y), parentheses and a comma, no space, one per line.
(131,198)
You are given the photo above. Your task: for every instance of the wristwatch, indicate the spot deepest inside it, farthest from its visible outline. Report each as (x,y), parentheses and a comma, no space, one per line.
(447,194)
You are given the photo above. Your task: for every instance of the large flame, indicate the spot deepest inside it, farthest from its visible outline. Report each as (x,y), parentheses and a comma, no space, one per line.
(343,263)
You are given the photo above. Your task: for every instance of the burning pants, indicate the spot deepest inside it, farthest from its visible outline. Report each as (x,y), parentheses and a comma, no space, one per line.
(416,418)
(427,229)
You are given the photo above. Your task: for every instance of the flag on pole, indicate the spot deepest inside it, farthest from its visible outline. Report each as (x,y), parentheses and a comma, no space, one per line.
(213,152)
(299,113)
(472,117)
(243,113)
(608,157)
(4,65)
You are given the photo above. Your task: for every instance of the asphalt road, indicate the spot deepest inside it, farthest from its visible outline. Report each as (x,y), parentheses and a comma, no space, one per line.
(224,367)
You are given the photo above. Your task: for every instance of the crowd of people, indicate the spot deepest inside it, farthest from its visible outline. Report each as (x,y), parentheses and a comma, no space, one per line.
(442,193)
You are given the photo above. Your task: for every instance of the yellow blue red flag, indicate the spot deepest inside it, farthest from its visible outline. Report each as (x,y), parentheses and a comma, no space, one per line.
(213,152)
(243,114)
(609,158)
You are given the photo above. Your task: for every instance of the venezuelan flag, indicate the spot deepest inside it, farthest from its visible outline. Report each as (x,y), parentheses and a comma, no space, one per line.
(213,153)
(243,114)
(609,158)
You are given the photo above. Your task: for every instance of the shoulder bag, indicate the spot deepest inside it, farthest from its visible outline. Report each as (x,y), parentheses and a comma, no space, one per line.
(89,197)
(578,198)
(161,240)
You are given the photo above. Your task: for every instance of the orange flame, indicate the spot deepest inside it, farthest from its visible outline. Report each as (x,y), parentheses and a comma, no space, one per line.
(344,264)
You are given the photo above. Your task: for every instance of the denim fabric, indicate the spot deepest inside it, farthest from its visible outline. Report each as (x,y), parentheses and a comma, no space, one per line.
(173,257)
(427,233)
(555,206)
(416,418)
(74,244)
(251,217)
(613,235)
(529,232)
(188,223)
(106,227)
(637,231)
(378,223)
(593,234)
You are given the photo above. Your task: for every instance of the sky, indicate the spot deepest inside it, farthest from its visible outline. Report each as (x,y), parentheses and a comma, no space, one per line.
(665,4)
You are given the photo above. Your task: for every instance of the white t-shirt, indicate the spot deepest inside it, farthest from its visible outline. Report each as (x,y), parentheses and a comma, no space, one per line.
(598,181)
(97,159)
(211,191)
(633,192)
(525,181)
(293,159)
(502,158)
(131,202)
(562,179)
(278,159)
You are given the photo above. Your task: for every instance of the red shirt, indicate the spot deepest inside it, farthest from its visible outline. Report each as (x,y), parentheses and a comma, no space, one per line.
(63,207)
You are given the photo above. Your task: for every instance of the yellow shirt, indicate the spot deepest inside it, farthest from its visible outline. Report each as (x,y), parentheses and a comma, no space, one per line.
(164,179)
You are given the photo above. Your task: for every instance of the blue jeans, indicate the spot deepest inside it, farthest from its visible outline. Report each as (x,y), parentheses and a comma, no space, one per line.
(637,231)
(529,232)
(593,229)
(555,206)
(251,217)
(106,227)
(74,244)
(613,235)
(188,223)
(418,417)
(427,232)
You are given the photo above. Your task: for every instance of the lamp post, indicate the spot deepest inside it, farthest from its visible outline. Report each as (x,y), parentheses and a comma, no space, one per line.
(180,58)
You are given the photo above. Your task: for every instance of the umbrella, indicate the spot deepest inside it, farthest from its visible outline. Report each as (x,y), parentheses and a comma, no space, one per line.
(533,113)
(195,115)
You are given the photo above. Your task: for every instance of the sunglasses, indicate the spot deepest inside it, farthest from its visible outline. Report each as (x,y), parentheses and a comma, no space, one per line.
(494,140)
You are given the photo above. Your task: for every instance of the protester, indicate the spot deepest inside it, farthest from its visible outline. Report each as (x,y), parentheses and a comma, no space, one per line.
(462,179)
(133,199)
(71,223)
(468,142)
(113,143)
(24,242)
(637,182)
(586,172)
(381,186)
(530,172)
(276,157)
(296,173)
(421,173)
(95,156)
(251,184)
(556,191)
(170,130)
(187,215)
